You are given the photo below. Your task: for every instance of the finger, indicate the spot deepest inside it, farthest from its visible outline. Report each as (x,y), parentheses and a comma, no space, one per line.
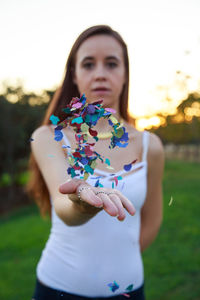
(70,186)
(88,195)
(108,205)
(117,201)
(127,204)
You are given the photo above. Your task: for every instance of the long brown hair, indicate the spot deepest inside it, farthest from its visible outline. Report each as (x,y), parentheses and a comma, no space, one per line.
(37,186)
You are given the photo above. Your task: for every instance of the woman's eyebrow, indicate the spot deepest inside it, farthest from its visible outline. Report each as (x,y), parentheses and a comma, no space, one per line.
(87,58)
(107,58)
(112,57)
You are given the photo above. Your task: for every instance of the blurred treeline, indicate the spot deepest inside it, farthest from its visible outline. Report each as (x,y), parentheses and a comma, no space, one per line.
(21,113)
(183,127)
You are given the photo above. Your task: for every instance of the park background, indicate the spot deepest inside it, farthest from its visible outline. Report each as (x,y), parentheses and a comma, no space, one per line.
(163,39)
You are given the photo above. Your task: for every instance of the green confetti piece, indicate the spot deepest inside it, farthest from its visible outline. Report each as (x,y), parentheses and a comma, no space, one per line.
(87,118)
(119,133)
(107,161)
(71,161)
(113,119)
(73,174)
(88,169)
(86,175)
(78,120)
(67,110)
(101,185)
(94,117)
(130,287)
(84,127)
(93,164)
(119,177)
(113,185)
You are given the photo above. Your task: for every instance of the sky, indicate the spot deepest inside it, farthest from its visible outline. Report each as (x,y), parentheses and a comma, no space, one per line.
(163,37)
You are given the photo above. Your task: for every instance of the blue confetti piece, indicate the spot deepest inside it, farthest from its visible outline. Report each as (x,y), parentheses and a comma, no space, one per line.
(127,167)
(97,177)
(113,286)
(121,145)
(58,135)
(110,122)
(84,160)
(97,183)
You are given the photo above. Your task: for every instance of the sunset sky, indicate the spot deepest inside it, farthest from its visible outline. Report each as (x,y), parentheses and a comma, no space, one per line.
(163,36)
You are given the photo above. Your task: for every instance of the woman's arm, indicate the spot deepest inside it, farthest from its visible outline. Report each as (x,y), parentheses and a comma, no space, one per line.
(151,213)
(53,166)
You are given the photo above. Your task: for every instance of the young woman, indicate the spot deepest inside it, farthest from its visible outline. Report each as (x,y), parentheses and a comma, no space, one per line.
(98,233)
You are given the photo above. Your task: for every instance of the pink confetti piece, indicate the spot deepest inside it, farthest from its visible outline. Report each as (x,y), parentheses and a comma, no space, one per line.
(126,295)
(111,110)
(116,180)
(77,105)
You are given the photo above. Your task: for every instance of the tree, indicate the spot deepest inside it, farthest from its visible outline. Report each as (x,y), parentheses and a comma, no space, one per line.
(184,126)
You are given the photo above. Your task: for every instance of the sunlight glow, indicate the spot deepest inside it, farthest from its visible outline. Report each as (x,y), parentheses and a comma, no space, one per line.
(164,55)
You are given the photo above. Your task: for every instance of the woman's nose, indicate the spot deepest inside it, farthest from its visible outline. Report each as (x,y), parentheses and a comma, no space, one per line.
(100,73)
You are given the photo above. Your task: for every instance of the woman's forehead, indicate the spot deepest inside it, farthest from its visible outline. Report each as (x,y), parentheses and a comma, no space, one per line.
(100,45)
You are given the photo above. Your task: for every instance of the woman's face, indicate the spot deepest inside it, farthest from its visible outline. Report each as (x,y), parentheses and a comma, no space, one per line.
(99,69)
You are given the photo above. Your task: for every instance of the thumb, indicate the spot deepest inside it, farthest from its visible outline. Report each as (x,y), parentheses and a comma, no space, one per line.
(70,186)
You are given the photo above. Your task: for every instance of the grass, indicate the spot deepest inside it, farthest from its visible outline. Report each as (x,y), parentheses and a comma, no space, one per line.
(171,264)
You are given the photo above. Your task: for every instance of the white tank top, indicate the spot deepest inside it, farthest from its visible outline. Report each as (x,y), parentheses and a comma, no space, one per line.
(84,259)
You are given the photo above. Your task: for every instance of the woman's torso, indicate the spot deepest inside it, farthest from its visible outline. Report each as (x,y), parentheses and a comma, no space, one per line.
(84,259)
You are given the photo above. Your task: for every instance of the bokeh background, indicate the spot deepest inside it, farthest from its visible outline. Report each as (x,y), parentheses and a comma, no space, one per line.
(163,39)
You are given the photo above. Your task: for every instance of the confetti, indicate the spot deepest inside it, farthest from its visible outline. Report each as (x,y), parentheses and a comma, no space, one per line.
(107,161)
(113,286)
(64,146)
(54,119)
(126,295)
(171,200)
(82,116)
(130,287)
(129,166)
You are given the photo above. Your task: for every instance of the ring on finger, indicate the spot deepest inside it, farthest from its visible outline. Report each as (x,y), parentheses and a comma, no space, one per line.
(80,190)
(111,193)
(101,192)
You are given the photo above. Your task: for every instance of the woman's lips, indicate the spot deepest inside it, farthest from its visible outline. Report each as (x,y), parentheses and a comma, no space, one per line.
(101,91)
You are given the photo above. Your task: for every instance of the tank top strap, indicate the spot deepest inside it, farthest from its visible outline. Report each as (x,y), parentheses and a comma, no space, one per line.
(145,143)
(66,142)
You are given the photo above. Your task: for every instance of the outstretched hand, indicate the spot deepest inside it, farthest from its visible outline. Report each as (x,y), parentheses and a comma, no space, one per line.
(94,199)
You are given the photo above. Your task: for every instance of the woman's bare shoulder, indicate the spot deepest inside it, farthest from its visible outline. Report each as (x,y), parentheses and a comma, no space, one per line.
(42,131)
(156,148)
(43,137)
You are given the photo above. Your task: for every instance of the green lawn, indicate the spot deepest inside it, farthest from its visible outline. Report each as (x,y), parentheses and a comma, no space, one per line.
(172,263)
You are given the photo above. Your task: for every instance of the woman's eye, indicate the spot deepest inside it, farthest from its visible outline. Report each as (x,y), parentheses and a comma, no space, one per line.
(112,65)
(88,65)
